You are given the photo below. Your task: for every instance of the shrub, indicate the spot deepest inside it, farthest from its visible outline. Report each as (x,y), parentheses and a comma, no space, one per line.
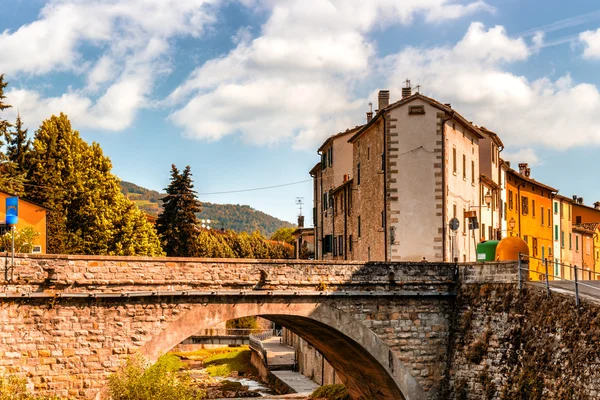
(331,392)
(136,380)
(14,388)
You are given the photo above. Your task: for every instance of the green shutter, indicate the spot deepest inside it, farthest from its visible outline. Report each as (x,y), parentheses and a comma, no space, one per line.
(555,232)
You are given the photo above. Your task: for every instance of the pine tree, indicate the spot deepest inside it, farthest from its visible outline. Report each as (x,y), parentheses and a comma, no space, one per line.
(18,146)
(87,214)
(177,223)
(4,124)
(10,180)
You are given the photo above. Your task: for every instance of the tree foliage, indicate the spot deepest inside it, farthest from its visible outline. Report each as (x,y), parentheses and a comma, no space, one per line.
(177,224)
(87,214)
(15,388)
(284,234)
(24,240)
(137,380)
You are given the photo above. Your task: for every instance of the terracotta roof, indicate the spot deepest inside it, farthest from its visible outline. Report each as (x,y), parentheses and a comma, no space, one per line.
(314,169)
(531,180)
(340,134)
(432,102)
(493,135)
(587,227)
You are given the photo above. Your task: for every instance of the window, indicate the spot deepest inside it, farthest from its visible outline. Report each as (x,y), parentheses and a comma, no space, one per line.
(562,239)
(349,200)
(569,208)
(534,244)
(340,245)
(335,248)
(325,201)
(358,174)
(576,243)
(556,233)
(473,172)
(454,210)
(454,160)
(490,233)
(570,241)
(510,200)
(494,154)
(543,255)
(524,205)
(549,217)
(561,212)
(416,110)
(350,243)
(533,208)
(555,208)
(542,214)
(483,231)
(464,167)
(327,244)
(578,220)
(369,153)
(464,221)
(358,230)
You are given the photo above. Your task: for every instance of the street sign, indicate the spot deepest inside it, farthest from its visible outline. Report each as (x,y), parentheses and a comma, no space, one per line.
(454,224)
(12,210)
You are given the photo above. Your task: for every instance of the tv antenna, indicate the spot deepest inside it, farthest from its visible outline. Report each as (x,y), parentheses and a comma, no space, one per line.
(299,202)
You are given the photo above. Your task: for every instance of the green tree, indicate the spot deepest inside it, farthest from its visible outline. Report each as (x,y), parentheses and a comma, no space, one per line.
(18,145)
(136,380)
(88,214)
(4,124)
(284,235)
(177,224)
(10,180)
(24,240)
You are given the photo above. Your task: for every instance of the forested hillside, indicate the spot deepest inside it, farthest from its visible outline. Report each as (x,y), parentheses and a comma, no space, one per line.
(239,218)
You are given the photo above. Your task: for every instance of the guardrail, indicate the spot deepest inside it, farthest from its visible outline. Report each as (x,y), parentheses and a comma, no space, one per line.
(257,346)
(574,271)
(231,332)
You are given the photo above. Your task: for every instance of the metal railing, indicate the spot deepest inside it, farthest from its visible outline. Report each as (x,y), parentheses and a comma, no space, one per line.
(231,332)
(256,345)
(524,263)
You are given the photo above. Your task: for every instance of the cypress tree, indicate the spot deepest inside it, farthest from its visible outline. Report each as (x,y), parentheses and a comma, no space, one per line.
(10,179)
(18,146)
(177,222)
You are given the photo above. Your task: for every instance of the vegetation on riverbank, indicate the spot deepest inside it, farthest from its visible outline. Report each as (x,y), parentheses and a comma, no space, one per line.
(331,392)
(136,380)
(14,388)
(222,361)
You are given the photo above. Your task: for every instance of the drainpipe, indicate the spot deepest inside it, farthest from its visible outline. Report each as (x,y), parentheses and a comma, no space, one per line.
(444,194)
(385,224)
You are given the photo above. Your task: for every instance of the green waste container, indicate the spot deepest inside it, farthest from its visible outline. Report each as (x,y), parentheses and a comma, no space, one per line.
(486,251)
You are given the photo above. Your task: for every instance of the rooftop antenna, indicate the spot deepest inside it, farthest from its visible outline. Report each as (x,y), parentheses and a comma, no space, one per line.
(299,202)
(418,87)
(407,83)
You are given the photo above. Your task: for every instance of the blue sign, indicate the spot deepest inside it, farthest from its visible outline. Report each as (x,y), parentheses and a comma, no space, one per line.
(12,210)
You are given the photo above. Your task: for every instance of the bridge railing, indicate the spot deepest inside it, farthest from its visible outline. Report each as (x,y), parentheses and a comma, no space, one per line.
(232,332)
(572,271)
(256,345)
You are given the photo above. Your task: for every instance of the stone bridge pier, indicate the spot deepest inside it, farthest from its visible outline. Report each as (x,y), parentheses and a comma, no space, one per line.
(69,321)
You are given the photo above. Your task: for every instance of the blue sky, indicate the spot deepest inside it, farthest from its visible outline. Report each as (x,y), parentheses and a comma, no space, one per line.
(245,91)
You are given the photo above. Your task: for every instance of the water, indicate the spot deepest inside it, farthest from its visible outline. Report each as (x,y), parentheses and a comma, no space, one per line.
(253,386)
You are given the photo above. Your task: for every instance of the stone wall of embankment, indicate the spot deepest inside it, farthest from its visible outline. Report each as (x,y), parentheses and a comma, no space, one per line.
(509,345)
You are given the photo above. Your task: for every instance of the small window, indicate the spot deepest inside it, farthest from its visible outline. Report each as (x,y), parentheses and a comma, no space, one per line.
(454,160)
(570,241)
(549,217)
(578,220)
(358,174)
(464,167)
(358,230)
(556,233)
(416,110)
(510,200)
(350,243)
(341,245)
(533,208)
(369,153)
(542,214)
(524,205)
(576,243)
(473,172)
(555,208)
(327,244)
(562,239)
(534,244)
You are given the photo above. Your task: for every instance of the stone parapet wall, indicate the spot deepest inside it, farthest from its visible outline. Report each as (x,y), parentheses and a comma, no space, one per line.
(71,274)
(489,272)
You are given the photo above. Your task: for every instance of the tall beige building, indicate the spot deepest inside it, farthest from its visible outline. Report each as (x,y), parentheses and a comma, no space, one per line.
(399,181)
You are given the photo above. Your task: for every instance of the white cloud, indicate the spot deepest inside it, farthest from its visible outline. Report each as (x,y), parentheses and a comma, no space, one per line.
(591,40)
(293,81)
(557,114)
(132,40)
(525,155)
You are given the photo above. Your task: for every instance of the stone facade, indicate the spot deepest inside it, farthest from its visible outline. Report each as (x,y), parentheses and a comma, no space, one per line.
(389,330)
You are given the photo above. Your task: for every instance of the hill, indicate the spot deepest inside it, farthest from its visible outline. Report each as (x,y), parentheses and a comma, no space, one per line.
(240,218)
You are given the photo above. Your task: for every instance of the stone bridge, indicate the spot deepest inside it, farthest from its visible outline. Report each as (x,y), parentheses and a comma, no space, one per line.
(69,321)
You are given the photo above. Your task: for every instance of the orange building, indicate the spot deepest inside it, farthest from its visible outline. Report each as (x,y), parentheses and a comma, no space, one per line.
(529,216)
(586,216)
(30,214)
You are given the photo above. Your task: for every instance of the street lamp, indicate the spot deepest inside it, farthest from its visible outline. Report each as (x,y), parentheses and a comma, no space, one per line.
(488,198)
(511,225)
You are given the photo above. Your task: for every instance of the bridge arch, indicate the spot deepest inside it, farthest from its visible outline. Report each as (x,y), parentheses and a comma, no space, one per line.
(365,364)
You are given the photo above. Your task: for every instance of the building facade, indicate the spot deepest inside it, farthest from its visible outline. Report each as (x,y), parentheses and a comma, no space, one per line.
(30,215)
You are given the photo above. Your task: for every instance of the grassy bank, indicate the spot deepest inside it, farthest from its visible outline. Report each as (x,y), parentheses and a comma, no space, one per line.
(222,361)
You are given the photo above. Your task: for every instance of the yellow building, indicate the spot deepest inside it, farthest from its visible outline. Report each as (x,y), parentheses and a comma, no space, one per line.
(564,240)
(529,216)
(30,214)
(586,215)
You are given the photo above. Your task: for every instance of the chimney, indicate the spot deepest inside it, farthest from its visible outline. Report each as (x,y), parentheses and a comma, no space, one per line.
(406,90)
(575,198)
(370,113)
(523,168)
(580,200)
(300,221)
(384,99)
(597,205)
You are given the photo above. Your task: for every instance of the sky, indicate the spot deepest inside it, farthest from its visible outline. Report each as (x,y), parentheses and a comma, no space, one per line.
(245,91)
